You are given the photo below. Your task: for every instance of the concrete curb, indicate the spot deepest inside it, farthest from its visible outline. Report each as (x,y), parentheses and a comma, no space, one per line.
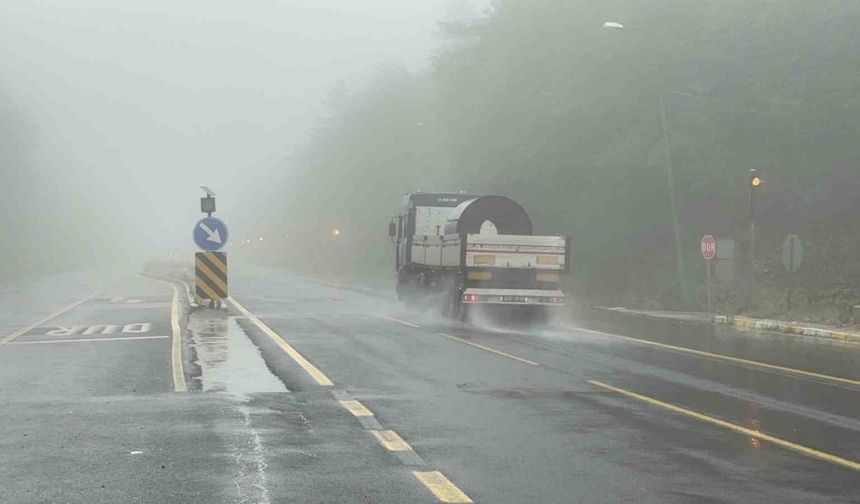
(785,328)
(192,299)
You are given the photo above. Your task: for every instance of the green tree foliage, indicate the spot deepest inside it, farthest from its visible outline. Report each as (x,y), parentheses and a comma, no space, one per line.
(538,102)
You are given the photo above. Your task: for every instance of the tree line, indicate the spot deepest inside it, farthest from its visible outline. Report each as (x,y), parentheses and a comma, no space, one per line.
(537,101)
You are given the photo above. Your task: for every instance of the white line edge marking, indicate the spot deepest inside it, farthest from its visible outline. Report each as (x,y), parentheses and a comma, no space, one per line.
(409,324)
(57,313)
(491,350)
(309,368)
(84,340)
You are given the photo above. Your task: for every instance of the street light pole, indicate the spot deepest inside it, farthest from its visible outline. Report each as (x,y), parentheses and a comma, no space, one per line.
(670,175)
(755,183)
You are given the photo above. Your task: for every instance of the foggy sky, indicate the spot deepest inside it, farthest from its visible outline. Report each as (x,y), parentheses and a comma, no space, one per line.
(133,105)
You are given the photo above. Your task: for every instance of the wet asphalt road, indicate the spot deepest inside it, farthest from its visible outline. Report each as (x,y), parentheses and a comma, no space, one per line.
(573,412)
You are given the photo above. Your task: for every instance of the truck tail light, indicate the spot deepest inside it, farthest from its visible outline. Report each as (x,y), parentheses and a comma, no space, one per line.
(470,297)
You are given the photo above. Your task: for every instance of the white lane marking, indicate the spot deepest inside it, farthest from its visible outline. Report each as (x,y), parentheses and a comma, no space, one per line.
(124,300)
(57,313)
(410,324)
(141,306)
(101,329)
(309,368)
(140,327)
(84,340)
(65,331)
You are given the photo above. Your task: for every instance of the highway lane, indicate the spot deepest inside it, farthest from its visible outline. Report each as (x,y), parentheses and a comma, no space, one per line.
(92,412)
(307,392)
(569,415)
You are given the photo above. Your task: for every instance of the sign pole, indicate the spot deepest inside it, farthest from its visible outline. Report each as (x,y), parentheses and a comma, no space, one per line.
(708,267)
(709,251)
(792,257)
(791,270)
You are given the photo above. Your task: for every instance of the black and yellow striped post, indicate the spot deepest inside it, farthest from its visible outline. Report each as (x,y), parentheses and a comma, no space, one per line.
(210,269)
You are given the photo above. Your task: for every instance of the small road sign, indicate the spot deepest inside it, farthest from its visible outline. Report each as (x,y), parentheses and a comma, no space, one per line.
(210,270)
(210,233)
(792,253)
(709,247)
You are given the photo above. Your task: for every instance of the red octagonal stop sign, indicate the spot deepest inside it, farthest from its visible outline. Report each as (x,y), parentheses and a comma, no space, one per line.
(709,247)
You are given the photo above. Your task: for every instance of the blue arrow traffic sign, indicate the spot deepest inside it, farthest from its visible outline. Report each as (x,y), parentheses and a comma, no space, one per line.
(210,233)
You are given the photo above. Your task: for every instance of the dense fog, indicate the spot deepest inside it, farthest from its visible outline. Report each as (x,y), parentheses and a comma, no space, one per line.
(311,117)
(113,113)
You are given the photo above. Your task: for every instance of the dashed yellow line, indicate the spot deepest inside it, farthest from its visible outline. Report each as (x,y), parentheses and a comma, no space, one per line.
(309,368)
(390,440)
(408,324)
(441,487)
(727,358)
(811,452)
(356,408)
(57,313)
(491,350)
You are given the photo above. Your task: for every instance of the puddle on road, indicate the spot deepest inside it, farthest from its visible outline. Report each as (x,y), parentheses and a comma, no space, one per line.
(228,360)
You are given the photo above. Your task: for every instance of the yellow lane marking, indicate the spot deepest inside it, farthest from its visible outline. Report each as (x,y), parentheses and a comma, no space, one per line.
(409,324)
(441,487)
(309,368)
(179,384)
(57,313)
(390,440)
(83,340)
(850,464)
(736,360)
(356,408)
(211,275)
(492,350)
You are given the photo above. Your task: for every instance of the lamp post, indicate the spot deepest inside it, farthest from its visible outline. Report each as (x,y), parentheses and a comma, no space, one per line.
(755,184)
(670,176)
